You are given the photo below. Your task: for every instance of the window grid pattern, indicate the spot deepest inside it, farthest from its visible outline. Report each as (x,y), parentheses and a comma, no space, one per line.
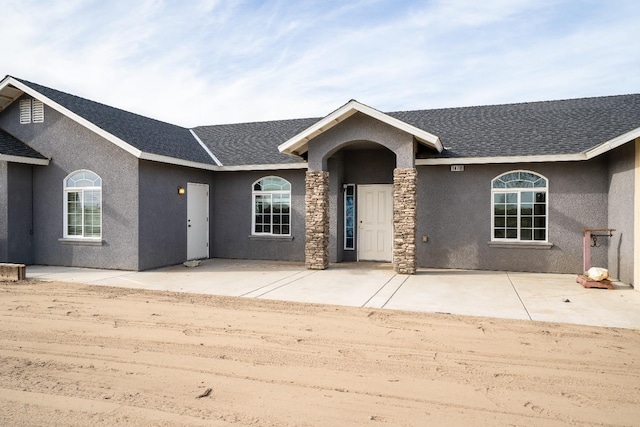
(349,216)
(519,202)
(83,202)
(272,207)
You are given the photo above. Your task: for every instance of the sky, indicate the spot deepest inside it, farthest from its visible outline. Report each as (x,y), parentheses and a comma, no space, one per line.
(205,62)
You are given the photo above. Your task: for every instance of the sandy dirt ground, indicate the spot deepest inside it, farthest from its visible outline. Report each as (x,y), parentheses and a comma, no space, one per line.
(79,355)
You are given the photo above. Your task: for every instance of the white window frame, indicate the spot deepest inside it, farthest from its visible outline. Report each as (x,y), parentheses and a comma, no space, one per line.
(519,191)
(269,193)
(82,190)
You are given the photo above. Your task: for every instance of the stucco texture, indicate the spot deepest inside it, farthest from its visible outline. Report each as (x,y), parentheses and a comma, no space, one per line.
(72,147)
(163,212)
(357,128)
(454,213)
(4,209)
(231,204)
(353,166)
(620,204)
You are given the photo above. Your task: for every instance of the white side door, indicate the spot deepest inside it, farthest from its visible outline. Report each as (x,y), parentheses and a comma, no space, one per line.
(375,222)
(197,221)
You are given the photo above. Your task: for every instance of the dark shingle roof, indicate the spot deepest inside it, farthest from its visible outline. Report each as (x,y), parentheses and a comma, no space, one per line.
(252,143)
(526,129)
(11,146)
(146,134)
(534,128)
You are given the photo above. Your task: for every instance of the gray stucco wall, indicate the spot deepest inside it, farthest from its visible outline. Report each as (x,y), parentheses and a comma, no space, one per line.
(360,127)
(72,147)
(231,202)
(454,212)
(4,212)
(19,232)
(163,212)
(369,166)
(336,208)
(620,203)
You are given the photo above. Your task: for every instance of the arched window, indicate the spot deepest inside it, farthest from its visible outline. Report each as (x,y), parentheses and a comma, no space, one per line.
(83,205)
(271,206)
(520,208)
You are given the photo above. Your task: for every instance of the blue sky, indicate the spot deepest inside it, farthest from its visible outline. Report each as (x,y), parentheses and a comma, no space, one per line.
(193,62)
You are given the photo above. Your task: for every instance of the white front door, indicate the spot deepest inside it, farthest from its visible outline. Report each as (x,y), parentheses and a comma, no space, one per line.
(197,221)
(375,222)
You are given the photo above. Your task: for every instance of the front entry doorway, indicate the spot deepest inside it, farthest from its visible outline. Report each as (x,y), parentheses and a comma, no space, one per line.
(197,221)
(375,222)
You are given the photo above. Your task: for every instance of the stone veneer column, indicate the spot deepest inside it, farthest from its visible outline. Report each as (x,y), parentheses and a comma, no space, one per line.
(404,220)
(316,249)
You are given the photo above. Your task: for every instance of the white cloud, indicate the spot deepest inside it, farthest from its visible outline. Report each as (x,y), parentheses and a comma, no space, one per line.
(218,61)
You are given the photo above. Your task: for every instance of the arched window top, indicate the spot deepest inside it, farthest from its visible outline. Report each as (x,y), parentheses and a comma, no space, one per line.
(83,179)
(519,179)
(272,183)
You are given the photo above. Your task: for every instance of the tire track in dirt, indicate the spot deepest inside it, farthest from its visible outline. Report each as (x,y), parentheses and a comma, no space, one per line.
(277,363)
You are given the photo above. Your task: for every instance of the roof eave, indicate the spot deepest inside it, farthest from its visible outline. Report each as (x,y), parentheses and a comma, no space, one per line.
(24,160)
(107,135)
(613,143)
(264,167)
(73,116)
(298,144)
(175,161)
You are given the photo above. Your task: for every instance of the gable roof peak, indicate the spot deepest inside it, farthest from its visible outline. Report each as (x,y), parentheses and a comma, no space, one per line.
(298,144)
(143,137)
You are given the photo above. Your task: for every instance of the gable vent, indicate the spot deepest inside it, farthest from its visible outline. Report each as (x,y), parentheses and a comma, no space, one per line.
(25,111)
(38,111)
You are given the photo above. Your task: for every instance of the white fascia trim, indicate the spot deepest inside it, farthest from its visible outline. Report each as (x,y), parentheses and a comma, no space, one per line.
(276,166)
(590,154)
(174,161)
(613,143)
(421,135)
(25,160)
(73,116)
(292,145)
(213,157)
(502,159)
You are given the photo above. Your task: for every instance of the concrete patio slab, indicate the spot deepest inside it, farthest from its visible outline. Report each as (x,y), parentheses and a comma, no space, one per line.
(527,296)
(549,297)
(473,293)
(351,287)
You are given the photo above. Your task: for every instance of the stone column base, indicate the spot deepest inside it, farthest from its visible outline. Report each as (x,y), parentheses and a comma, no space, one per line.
(404,220)
(316,248)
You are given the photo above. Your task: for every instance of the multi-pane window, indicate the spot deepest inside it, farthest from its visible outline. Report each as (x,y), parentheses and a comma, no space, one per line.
(349,216)
(272,206)
(520,208)
(83,205)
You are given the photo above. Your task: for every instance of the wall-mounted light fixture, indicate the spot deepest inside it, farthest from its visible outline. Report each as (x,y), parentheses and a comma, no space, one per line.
(180,190)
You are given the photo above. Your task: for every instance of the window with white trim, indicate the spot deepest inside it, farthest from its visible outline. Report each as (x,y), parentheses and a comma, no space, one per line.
(271,207)
(31,111)
(83,205)
(519,207)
